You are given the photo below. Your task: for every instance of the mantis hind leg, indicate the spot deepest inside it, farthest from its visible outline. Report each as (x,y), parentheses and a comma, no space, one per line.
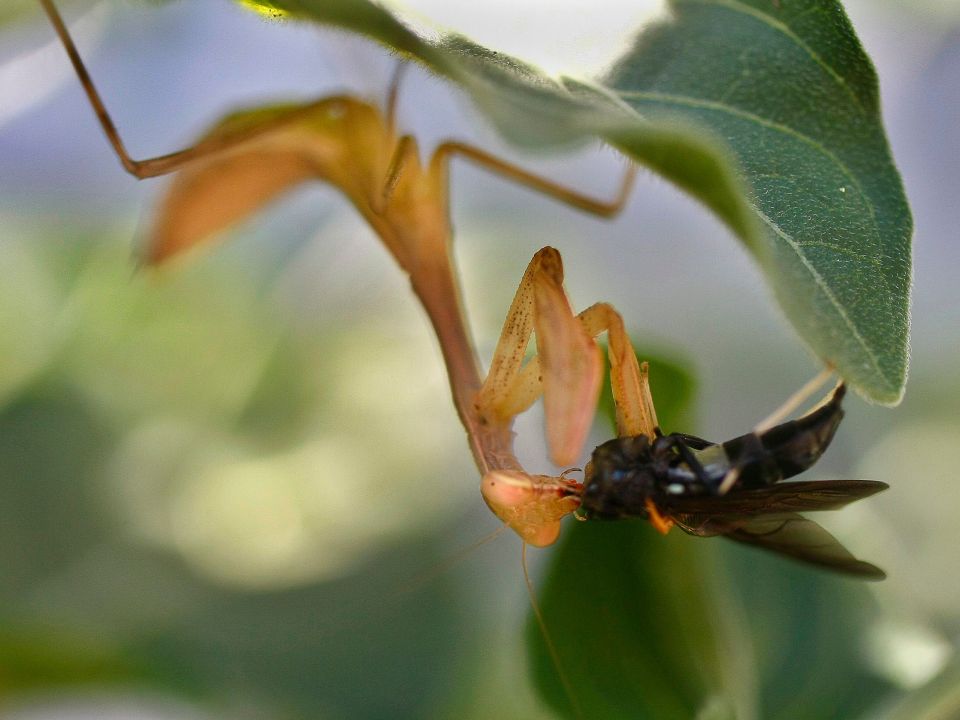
(166,164)
(594,206)
(162,164)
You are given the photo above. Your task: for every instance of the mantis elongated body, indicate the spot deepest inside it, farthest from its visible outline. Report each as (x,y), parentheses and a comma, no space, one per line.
(252,157)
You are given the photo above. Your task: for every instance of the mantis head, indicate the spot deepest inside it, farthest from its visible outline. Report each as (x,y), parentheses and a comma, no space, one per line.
(532,505)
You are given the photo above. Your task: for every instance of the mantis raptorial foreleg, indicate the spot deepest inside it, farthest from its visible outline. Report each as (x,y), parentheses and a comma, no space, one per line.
(568,372)
(629,379)
(571,361)
(567,369)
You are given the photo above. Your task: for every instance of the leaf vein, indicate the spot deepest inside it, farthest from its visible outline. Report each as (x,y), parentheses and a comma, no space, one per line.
(872,259)
(825,289)
(770,124)
(736,6)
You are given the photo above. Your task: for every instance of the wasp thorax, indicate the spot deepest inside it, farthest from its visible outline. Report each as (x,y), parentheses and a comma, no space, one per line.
(619,478)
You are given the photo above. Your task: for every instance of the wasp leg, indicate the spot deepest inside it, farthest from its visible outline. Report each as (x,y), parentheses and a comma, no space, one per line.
(692,441)
(679,442)
(660,523)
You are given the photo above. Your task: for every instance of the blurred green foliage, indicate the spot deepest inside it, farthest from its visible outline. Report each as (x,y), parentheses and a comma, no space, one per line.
(100,586)
(132,392)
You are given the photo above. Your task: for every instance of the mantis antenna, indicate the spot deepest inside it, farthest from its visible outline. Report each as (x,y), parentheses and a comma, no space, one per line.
(547,639)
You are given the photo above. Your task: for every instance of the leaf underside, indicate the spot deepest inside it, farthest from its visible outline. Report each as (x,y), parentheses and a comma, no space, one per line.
(766,112)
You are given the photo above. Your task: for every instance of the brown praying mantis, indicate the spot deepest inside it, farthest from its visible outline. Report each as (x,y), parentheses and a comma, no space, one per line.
(706,488)
(252,157)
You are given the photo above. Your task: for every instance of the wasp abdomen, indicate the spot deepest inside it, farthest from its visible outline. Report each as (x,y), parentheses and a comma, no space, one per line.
(786,449)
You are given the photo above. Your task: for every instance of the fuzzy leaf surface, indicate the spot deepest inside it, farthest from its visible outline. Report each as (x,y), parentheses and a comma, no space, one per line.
(766,112)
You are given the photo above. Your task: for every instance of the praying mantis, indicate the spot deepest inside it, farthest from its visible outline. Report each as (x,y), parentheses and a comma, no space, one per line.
(253,156)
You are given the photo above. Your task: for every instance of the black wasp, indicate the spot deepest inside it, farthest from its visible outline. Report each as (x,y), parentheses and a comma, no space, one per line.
(731,489)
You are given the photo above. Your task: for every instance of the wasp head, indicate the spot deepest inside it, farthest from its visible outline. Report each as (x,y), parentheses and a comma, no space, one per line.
(619,478)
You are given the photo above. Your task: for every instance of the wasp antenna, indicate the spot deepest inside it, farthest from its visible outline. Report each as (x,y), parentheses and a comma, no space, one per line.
(551,648)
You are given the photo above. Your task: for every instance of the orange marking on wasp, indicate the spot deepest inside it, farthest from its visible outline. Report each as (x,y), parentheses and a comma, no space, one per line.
(660,523)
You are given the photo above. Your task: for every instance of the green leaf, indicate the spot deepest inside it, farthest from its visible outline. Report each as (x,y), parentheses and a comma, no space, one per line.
(806,631)
(795,96)
(638,622)
(765,112)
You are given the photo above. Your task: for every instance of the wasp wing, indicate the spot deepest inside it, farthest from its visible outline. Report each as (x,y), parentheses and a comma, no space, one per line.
(782,497)
(767,517)
(802,539)
(786,534)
